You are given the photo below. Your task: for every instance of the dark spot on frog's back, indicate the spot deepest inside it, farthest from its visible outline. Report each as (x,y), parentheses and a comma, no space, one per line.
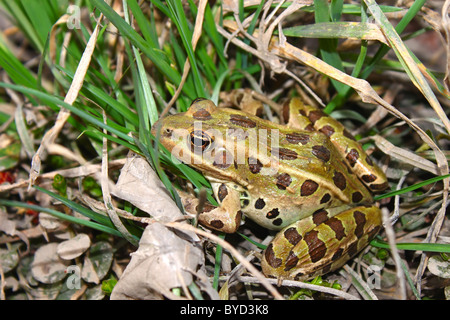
(315,115)
(222,192)
(202,115)
(242,121)
(360,219)
(339,180)
(260,204)
(270,257)
(357,197)
(217,224)
(291,261)
(272,214)
(369,178)
(352,157)
(320,216)
(308,188)
(316,247)
(292,235)
(328,130)
(283,181)
(337,226)
(297,138)
(284,154)
(321,153)
(326,197)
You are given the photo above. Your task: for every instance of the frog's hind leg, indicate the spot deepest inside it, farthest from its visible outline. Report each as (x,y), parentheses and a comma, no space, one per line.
(306,249)
(358,160)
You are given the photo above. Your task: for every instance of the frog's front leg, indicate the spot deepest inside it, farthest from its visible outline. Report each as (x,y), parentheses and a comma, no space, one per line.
(312,247)
(226,217)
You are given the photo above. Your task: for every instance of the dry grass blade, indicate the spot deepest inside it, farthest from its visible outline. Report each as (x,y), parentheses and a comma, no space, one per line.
(304,285)
(407,61)
(404,155)
(104,181)
(75,87)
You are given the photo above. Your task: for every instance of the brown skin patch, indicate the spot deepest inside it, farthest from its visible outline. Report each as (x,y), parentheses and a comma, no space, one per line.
(292,235)
(270,257)
(328,130)
(321,153)
(202,115)
(360,219)
(242,121)
(284,154)
(357,197)
(320,216)
(352,157)
(297,138)
(316,247)
(207,207)
(315,115)
(353,249)
(308,188)
(222,192)
(254,165)
(348,135)
(369,178)
(336,225)
(326,197)
(277,222)
(339,180)
(283,181)
(379,187)
(337,254)
(260,204)
(272,214)
(291,261)
(217,224)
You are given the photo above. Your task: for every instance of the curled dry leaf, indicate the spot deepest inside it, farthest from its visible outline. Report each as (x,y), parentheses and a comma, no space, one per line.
(139,185)
(73,248)
(49,222)
(166,258)
(47,267)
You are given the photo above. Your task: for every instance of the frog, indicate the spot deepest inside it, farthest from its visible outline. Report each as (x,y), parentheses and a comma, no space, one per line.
(306,178)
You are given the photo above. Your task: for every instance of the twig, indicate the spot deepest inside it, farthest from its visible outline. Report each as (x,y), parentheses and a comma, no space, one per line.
(299,284)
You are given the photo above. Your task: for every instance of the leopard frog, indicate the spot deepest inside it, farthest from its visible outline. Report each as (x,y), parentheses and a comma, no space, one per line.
(309,179)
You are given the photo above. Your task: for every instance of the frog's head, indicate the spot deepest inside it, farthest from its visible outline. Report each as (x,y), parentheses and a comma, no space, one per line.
(197,136)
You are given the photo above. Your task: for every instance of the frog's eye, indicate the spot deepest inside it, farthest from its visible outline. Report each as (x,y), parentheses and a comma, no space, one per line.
(200,140)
